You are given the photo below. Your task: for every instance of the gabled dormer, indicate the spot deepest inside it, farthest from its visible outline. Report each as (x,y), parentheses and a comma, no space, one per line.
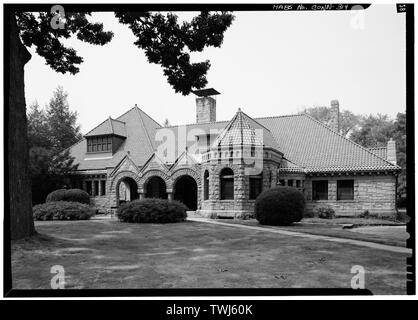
(106,137)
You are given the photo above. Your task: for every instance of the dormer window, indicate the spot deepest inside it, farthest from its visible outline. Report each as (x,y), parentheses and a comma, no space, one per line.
(99,144)
(106,137)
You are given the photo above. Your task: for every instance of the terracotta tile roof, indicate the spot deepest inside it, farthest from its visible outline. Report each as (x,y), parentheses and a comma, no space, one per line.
(315,147)
(288,166)
(243,130)
(380,151)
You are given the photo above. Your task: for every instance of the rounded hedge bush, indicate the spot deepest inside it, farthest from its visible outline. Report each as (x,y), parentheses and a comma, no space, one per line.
(280,206)
(152,211)
(74,195)
(62,210)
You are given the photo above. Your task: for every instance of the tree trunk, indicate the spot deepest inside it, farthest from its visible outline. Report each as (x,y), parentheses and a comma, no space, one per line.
(20,213)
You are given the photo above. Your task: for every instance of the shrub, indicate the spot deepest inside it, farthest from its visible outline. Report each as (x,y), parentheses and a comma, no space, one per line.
(279,206)
(309,214)
(367,215)
(325,213)
(152,211)
(73,195)
(62,210)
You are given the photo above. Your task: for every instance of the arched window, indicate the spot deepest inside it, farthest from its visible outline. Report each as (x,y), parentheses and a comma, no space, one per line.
(206,185)
(227,184)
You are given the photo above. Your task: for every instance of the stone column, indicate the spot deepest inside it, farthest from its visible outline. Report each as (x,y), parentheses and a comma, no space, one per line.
(169,194)
(100,187)
(141,194)
(84,182)
(93,188)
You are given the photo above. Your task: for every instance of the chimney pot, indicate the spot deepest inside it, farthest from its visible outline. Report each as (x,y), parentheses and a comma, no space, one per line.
(334,122)
(391,151)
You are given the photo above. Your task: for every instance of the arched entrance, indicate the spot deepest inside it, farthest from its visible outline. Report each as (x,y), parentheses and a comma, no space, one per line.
(185,190)
(127,190)
(156,188)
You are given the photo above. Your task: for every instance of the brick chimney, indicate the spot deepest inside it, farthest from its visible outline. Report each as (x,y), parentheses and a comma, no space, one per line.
(205,109)
(334,122)
(391,151)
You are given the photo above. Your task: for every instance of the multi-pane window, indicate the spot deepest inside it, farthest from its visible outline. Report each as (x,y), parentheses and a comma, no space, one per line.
(227,184)
(89,187)
(103,187)
(345,189)
(320,190)
(99,144)
(96,188)
(256,185)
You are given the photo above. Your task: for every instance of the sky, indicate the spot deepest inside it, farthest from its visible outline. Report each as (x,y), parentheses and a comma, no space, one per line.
(270,63)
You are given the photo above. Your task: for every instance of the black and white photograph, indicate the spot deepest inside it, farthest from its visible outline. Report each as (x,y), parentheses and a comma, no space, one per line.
(208,150)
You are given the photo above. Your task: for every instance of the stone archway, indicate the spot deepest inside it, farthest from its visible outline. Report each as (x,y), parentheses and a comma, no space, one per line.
(186,191)
(155,187)
(131,181)
(126,190)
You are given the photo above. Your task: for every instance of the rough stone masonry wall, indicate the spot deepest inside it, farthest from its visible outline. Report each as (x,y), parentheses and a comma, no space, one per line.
(104,203)
(240,206)
(375,193)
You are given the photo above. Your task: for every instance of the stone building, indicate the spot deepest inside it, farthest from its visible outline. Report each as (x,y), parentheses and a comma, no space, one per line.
(218,168)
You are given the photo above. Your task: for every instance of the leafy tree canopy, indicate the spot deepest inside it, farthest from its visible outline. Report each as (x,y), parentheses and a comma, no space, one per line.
(348,120)
(165,41)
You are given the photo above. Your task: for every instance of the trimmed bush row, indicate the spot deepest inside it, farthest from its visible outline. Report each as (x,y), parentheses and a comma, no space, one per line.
(76,195)
(152,211)
(280,206)
(62,210)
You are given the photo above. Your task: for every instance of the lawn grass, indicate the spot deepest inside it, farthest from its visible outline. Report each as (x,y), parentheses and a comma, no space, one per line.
(354,221)
(110,254)
(334,228)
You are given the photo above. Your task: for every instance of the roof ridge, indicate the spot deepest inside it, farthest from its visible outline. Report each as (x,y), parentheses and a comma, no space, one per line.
(377,148)
(192,124)
(74,144)
(147,115)
(227,121)
(125,113)
(96,126)
(117,120)
(283,116)
(253,119)
(111,125)
(225,130)
(146,130)
(351,141)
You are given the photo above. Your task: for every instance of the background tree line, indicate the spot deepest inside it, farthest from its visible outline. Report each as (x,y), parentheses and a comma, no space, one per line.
(51,130)
(371,131)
